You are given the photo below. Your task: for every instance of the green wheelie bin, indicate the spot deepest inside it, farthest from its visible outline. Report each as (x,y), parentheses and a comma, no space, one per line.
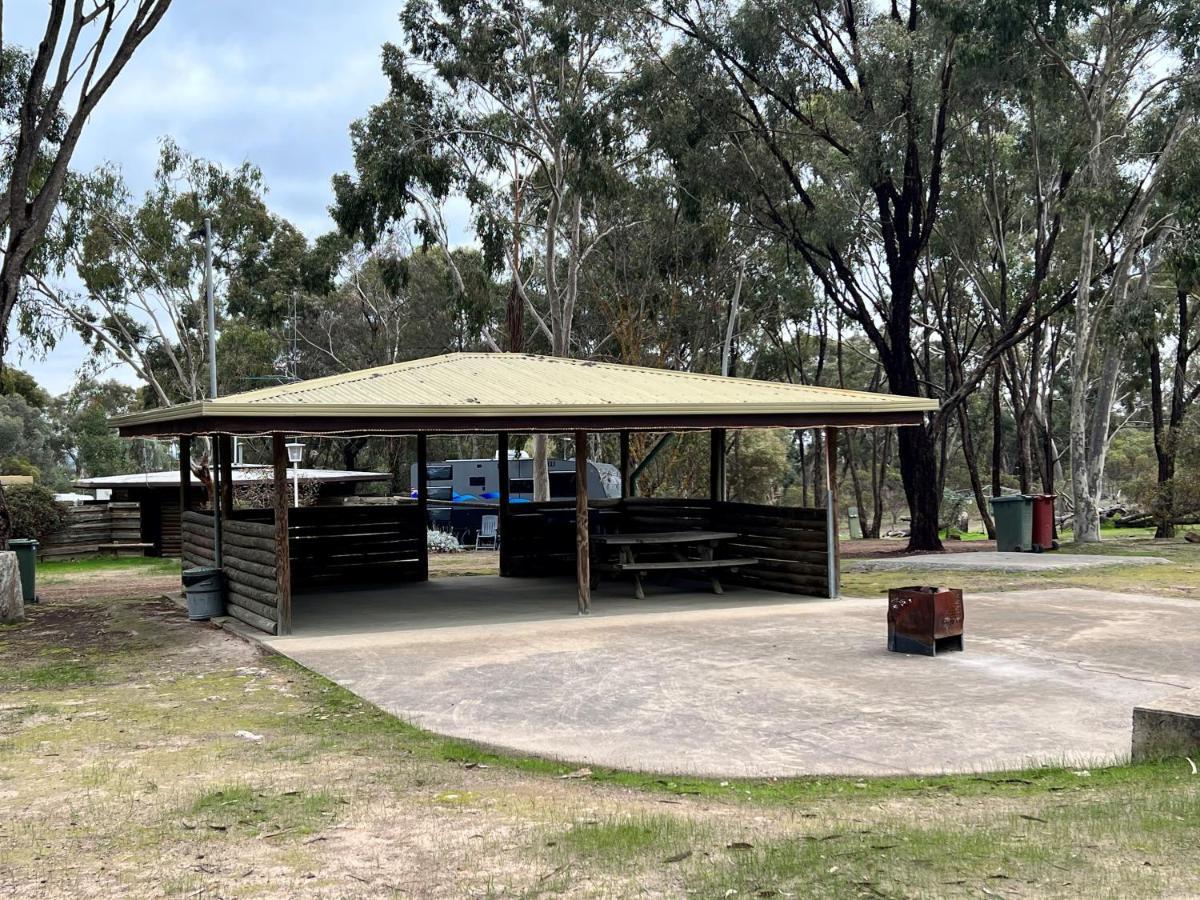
(26,550)
(1014,523)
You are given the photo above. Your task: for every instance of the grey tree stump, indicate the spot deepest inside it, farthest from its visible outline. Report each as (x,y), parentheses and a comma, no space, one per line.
(12,602)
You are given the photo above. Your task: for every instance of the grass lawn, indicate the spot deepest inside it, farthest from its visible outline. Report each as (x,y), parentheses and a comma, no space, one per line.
(143,755)
(1179,577)
(61,571)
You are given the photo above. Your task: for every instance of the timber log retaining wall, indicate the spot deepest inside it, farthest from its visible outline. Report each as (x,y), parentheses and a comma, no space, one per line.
(789,542)
(328,546)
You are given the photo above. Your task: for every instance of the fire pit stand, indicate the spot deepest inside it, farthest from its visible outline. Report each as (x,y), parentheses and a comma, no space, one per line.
(925,620)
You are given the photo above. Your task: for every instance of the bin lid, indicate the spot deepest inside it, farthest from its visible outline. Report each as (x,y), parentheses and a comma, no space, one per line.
(199,574)
(22,542)
(1014,498)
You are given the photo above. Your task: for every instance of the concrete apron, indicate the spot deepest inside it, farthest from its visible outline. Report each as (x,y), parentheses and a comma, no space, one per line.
(802,687)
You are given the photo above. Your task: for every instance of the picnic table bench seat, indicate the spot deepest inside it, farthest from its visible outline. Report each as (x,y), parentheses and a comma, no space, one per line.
(116,549)
(704,543)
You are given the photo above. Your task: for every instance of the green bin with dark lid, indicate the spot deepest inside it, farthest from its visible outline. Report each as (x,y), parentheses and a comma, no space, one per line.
(1014,523)
(26,550)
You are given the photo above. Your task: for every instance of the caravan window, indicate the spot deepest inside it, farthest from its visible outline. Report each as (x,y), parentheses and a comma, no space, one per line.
(439,473)
(562,484)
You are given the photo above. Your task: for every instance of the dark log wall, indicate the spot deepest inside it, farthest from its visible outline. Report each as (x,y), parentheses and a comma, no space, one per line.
(248,558)
(790,543)
(355,545)
(539,538)
(329,546)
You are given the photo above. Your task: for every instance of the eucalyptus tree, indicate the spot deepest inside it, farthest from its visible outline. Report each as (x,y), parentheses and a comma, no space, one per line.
(141,268)
(1168,352)
(513,104)
(49,95)
(393,304)
(1131,69)
(844,117)
(46,98)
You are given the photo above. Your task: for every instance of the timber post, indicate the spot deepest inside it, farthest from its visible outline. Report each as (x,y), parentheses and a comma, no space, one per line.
(626,467)
(716,465)
(185,473)
(833,551)
(225,443)
(505,491)
(283,567)
(423,503)
(215,479)
(185,482)
(583,562)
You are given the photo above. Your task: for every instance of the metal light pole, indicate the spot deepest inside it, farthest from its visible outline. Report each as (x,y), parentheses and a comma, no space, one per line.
(212,310)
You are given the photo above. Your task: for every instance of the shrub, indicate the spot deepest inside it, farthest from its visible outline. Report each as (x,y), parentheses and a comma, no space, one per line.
(442,542)
(34,511)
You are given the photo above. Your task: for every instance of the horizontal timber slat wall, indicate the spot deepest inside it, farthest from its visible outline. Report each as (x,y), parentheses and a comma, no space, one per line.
(789,542)
(350,544)
(338,545)
(538,539)
(87,527)
(248,560)
(355,544)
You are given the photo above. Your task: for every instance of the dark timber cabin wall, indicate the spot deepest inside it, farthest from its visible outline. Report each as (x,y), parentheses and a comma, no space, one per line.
(248,558)
(789,542)
(328,546)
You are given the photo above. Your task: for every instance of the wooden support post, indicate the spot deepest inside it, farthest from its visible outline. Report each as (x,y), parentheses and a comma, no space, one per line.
(832,539)
(626,467)
(283,566)
(716,465)
(185,482)
(225,444)
(185,474)
(214,473)
(423,502)
(583,561)
(502,474)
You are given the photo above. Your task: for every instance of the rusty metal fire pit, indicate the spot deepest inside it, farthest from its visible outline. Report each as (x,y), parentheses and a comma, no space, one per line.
(925,620)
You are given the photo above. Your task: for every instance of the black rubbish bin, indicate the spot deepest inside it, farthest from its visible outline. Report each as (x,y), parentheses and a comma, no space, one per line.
(205,597)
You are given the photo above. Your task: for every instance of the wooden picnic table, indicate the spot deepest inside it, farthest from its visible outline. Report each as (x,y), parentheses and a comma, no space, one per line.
(691,550)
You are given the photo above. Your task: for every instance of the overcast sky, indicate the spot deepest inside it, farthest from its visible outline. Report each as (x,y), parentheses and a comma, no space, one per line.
(275,82)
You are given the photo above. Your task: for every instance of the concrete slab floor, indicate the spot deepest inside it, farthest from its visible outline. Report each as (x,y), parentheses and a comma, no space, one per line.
(753,684)
(993,561)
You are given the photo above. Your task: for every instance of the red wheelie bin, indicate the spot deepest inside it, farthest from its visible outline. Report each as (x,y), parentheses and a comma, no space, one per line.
(1043,523)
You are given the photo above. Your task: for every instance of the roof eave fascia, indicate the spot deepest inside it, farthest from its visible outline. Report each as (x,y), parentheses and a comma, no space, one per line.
(210,409)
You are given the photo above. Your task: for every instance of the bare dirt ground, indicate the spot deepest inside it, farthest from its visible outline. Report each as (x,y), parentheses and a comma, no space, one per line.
(111,585)
(145,756)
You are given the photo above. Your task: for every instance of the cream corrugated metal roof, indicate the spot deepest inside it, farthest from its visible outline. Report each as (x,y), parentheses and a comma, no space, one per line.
(464,385)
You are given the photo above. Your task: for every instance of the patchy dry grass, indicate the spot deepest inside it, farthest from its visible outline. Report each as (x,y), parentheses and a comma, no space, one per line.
(469,562)
(1179,577)
(122,772)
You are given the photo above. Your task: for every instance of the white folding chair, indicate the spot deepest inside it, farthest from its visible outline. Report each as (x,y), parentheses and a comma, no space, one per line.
(488,538)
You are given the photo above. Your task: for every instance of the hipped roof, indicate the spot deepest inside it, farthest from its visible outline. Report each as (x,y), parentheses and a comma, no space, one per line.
(488,392)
